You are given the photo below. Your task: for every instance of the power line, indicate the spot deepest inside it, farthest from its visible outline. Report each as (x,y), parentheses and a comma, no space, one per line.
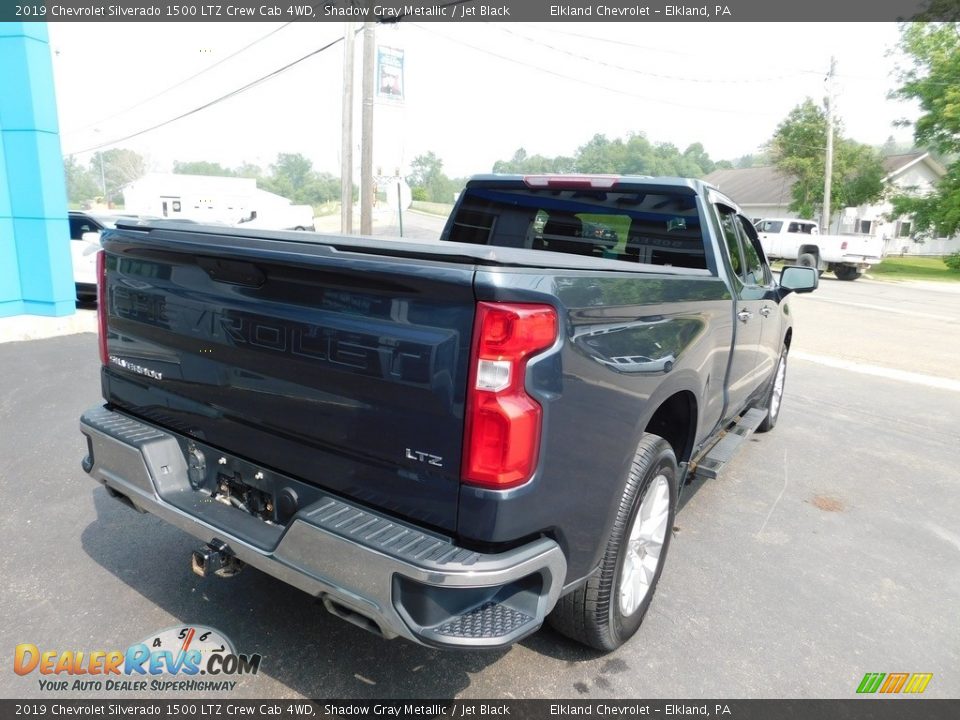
(218,100)
(589,83)
(666,51)
(207,69)
(613,41)
(635,70)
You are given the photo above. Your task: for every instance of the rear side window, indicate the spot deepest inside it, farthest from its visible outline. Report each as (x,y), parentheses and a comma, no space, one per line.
(754,267)
(728,228)
(658,227)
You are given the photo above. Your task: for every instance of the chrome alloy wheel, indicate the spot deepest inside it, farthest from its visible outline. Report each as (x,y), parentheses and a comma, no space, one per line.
(644,546)
(777,395)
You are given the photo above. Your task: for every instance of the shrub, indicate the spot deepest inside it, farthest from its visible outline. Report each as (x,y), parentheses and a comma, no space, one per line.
(953,261)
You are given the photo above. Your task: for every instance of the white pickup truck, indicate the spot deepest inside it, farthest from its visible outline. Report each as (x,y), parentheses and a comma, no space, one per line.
(847,256)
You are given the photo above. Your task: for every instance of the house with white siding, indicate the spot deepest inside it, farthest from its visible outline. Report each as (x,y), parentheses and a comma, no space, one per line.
(765,192)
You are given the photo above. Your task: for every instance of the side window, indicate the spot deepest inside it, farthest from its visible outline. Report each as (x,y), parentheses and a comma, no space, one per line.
(754,267)
(729,231)
(78,226)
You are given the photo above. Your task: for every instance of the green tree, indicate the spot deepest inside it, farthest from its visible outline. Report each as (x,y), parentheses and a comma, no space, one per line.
(248,170)
(751,160)
(600,155)
(798,148)
(290,175)
(425,170)
(696,161)
(201,167)
(120,167)
(523,164)
(82,186)
(427,179)
(933,52)
(631,155)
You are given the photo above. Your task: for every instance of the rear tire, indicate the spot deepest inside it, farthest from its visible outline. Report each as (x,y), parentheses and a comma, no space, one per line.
(773,399)
(807,260)
(607,611)
(845,272)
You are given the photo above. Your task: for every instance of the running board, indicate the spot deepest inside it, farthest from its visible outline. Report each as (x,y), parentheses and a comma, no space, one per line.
(721,453)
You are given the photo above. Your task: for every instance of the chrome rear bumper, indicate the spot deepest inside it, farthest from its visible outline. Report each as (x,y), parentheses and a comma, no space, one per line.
(377,572)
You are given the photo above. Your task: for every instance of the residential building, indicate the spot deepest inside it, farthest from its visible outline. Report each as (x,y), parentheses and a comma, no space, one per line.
(765,192)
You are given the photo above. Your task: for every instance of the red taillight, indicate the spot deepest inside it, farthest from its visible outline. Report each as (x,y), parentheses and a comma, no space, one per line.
(843,245)
(102,304)
(502,434)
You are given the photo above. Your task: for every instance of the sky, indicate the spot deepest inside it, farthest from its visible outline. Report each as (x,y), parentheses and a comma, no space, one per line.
(474,92)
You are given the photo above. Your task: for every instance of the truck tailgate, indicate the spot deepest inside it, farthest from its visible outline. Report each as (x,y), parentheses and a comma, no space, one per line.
(340,368)
(862,248)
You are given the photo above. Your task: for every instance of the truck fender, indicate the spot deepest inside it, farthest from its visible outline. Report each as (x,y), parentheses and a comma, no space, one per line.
(685,381)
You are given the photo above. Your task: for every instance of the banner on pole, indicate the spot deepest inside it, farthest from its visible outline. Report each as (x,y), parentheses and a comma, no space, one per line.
(390,73)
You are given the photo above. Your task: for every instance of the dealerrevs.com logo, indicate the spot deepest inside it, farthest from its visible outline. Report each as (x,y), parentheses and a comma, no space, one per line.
(172,659)
(893,683)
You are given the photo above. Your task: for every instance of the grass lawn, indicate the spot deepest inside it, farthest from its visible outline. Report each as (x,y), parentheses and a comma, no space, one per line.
(431,208)
(913,268)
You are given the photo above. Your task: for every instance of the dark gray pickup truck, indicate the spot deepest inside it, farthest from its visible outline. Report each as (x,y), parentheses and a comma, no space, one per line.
(446,441)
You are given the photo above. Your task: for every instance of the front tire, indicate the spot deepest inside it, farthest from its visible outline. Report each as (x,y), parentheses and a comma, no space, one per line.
(773,400)
(607,611)
(807,260)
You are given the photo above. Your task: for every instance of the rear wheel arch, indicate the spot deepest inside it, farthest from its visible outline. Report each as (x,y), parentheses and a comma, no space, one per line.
(675,420)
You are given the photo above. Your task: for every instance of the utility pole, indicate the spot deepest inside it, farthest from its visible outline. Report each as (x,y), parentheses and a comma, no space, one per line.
(828,175)
(103,179)
(346,135)
(366,124)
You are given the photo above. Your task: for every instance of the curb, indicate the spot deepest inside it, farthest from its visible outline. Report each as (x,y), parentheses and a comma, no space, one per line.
(21,328)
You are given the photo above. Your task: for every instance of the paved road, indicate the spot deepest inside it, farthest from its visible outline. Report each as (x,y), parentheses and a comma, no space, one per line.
(828,549)
(914,328)
(418,225)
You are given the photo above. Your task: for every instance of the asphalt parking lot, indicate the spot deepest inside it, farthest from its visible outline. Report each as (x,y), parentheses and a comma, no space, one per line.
(828,548)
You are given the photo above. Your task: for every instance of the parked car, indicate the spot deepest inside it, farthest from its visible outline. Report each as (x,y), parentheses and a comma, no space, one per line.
(85,229)
(446,442)
(291,217)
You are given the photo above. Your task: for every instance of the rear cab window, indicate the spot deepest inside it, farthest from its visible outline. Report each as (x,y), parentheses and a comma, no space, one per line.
(656,225)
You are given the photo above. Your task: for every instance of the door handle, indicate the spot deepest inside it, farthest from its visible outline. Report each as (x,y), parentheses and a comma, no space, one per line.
(744,315)
(765,310)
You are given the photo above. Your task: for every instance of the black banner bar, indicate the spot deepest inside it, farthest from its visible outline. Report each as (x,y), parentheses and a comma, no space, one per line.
(478,10)
(873,708)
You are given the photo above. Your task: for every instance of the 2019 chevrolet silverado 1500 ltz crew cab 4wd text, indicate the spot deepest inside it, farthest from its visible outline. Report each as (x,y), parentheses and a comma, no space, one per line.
(444,441)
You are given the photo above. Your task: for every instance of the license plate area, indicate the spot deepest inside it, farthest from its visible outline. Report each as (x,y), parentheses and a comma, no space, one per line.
(245,487)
